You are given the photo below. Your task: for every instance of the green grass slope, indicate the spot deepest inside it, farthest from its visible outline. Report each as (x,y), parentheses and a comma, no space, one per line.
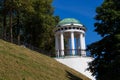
(19,63)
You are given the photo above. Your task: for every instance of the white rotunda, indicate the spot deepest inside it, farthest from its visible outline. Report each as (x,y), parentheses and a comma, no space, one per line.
(70,38)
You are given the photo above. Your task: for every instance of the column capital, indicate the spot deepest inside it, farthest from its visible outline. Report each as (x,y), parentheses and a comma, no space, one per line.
(72,32)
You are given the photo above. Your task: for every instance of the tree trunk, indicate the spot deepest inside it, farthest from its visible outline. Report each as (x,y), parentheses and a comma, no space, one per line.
(18,25)
(11,32)
(4,26)
(18,39)
(4,21)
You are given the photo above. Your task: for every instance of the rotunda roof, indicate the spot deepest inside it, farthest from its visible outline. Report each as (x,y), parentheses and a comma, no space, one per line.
(69,21)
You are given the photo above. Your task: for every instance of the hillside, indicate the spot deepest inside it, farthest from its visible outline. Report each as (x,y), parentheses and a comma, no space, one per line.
(19,63)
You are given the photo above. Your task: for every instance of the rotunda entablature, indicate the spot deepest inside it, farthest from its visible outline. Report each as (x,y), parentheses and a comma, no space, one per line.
(70,24)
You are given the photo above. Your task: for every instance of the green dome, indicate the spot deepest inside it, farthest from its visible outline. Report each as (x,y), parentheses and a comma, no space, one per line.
(69,21)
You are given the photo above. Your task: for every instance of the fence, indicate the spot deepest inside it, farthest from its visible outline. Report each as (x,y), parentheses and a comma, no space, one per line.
(24,44)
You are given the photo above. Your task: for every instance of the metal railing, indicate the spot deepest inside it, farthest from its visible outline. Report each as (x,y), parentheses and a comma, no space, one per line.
(24,44)
(69,52)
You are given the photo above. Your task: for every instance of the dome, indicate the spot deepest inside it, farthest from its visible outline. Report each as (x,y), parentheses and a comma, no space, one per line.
(69,21)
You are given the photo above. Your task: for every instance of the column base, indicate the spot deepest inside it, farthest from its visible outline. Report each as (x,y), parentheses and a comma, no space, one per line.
(73,52)
(83,53)
(62,53)
(57,54)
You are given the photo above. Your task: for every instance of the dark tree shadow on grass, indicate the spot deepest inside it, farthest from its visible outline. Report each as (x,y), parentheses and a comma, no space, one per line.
(72,76)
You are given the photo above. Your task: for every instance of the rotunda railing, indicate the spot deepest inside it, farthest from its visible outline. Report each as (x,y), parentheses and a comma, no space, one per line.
(68,52)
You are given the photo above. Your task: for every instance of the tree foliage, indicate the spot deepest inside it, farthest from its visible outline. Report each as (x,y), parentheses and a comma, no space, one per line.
(106,65)
(30,21)
(40,25)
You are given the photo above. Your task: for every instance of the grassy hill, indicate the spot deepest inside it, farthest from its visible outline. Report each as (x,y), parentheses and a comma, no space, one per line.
(19,63)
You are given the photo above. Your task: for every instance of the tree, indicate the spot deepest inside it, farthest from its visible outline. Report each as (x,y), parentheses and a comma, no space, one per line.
(106,52)
(22,7)
(14,10)
(30,21)
(3,18)
(40,25)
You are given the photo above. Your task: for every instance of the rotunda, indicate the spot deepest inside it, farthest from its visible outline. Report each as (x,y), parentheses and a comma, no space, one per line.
(70,38)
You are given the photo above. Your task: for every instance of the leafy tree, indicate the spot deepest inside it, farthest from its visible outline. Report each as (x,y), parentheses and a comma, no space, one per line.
(3,18)
(40,25)
(31,21)
(23,7)
(13,10)
(106,65)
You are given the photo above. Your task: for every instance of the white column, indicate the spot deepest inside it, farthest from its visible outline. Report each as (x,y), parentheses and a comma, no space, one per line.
(82,44)
(77,47)
(68,47)
(72,43)
(62,44)
(57,45)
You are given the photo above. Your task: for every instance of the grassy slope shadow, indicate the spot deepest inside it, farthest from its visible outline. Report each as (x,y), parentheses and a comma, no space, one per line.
(72,76)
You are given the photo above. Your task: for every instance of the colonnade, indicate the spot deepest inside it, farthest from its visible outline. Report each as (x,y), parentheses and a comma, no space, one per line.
(60,45)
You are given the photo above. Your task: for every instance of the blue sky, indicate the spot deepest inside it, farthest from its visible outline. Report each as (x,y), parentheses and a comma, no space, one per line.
(83,10)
